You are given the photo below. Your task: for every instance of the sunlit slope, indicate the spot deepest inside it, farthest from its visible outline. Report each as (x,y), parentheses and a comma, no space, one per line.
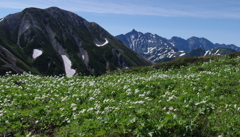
(194,98)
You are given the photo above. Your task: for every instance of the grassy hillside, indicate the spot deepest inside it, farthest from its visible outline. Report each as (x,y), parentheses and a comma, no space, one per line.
(185,97)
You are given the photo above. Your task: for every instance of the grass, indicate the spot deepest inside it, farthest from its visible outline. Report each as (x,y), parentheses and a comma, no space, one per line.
(195,98)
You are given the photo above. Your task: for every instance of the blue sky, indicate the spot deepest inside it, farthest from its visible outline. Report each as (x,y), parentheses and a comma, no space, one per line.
(216,20)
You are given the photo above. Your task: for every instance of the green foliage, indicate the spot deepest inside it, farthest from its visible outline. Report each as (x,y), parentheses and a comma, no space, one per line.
(234,55)
(197,99)
(183,61)
(26,67)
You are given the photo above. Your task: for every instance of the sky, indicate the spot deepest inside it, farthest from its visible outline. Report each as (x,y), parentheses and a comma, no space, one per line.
(216,20)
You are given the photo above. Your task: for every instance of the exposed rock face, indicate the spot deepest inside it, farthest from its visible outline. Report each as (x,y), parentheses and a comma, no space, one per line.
(159,49)
(59,33)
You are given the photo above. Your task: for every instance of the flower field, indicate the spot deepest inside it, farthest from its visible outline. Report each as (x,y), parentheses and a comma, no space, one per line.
(194,100)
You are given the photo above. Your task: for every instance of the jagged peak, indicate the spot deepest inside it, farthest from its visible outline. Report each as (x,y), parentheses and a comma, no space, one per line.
(176,37)
(134,30)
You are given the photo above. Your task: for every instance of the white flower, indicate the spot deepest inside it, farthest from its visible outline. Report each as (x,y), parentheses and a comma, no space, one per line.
(125,86)
(138,102)
(82,111)
(202,102)
(63,99)
(106,100)
(72,105)
(170,108)
(29,135)
(90,109)
(74,116)
(136,91)
(141,95)
(75,108)
(91,98)
(172,97)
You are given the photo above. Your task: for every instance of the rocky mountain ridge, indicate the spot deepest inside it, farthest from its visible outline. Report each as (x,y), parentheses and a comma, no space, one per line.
(159,49)
(54,41)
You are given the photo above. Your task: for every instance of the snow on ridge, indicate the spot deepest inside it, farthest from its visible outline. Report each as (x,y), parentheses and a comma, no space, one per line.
(100,45)
(67,64)
(182,54)
(36,53)
(1,19)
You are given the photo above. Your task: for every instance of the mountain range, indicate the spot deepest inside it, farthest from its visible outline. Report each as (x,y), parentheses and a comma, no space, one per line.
(54,41)
(159,49)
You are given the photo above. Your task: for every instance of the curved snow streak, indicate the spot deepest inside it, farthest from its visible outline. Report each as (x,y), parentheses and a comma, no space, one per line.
(36,53)
(1,19)
(67,64)
(100,45)
(182,54)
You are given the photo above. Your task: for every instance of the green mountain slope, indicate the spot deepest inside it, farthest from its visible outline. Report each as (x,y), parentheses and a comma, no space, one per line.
(56,33)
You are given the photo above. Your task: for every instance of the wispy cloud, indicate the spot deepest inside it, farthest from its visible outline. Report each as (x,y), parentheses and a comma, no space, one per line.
(185,8)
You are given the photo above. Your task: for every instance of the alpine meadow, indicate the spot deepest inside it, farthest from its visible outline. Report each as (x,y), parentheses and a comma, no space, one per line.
(188,96)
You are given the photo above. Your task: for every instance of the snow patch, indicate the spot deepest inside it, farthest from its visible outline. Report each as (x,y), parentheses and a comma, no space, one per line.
(83,57)
(150,50)
(207,52)
(170,55)
(216,52)
(150,41)
(100,45)
(182,54)
(36,53)
(67,64)
(1,19)
(172,44)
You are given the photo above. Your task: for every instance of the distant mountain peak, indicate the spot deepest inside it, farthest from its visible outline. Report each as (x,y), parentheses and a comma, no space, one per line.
(134,30)
(158,49)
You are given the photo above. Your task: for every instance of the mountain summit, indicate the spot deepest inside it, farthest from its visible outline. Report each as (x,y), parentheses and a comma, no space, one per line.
(53,41)
(159,49)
